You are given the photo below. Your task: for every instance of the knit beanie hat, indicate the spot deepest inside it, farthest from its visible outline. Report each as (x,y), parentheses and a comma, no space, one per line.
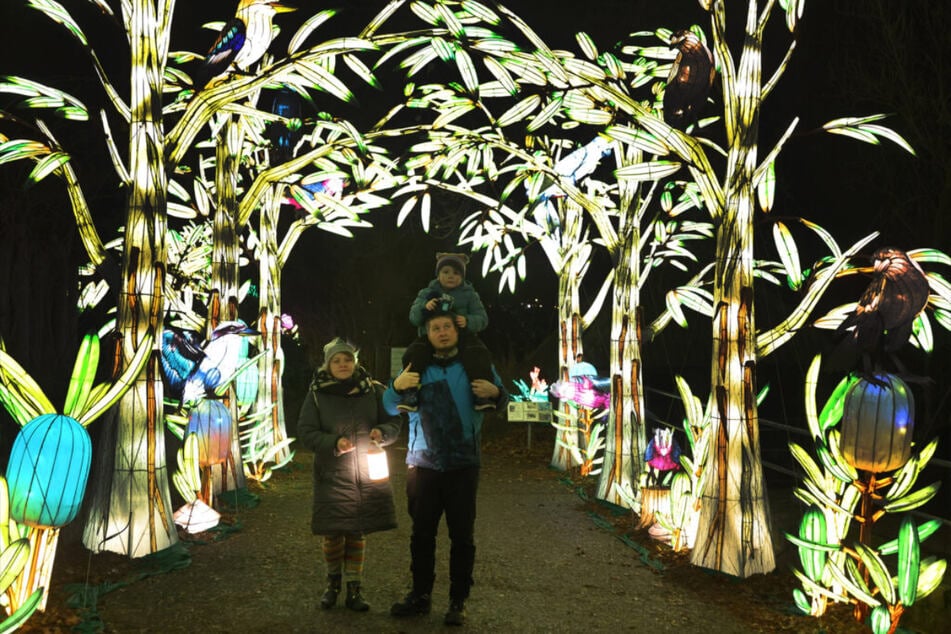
(457,261)
(336,346)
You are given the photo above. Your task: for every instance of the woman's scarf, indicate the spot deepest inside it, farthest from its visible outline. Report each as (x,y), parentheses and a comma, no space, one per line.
(358,383)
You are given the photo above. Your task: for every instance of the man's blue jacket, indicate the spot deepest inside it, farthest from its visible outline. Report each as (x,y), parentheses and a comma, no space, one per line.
(446,432)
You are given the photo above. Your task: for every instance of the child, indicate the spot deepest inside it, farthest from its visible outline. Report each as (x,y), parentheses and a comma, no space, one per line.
(450,291)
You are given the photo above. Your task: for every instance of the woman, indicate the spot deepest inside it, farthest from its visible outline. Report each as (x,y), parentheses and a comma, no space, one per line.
(342,416)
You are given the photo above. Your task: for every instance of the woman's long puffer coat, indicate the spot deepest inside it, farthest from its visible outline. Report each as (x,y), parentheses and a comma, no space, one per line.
(345,499)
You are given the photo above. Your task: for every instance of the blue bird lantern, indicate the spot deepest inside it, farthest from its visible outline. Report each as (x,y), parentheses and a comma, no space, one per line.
(211,421)
(48,469)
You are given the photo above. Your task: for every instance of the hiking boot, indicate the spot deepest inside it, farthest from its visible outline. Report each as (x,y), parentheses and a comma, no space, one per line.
(409,400)
(413,604)
(354,600)
(482,404)
(456,615)
(329,598)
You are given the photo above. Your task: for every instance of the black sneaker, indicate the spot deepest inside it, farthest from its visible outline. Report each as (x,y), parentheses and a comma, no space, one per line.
(456,615)
(409,401)
(412,605)
(482,404)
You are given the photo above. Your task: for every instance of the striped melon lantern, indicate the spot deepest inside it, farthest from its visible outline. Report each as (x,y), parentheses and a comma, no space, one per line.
(877,423)
(47,471)
(210,420)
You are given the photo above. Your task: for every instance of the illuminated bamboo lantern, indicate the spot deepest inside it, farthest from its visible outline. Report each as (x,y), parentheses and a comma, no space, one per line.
(47,471)
(877,423)
(211,421)
(246,383)
(377,467)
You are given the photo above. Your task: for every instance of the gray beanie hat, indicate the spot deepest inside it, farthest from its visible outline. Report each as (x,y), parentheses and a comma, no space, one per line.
(336,346)
(457,261)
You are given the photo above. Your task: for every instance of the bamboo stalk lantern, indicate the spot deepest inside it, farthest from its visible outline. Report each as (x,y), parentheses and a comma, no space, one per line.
(211,421)
(47,471)
(877,423)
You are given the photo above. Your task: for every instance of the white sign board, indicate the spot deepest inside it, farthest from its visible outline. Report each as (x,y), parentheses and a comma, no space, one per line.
(529,411)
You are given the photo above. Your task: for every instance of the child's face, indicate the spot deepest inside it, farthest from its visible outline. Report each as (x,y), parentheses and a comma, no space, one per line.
(449,278)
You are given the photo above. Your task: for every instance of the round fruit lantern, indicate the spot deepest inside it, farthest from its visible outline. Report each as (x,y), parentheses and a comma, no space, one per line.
(211,421)
(48,469)
(877,423)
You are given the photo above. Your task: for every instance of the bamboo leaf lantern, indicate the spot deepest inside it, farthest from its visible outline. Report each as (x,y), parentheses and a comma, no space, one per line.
(877,423)
(210,420)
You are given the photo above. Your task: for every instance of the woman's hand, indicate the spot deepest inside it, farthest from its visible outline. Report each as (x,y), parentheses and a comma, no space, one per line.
(344,445)
(376,435)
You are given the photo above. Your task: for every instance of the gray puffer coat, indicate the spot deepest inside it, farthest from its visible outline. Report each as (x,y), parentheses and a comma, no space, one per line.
(346,501)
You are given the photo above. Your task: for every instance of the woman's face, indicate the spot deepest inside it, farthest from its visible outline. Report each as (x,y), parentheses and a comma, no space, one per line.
(341,366)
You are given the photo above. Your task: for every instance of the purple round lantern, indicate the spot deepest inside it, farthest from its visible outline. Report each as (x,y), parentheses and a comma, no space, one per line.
(48,469)
(211,421)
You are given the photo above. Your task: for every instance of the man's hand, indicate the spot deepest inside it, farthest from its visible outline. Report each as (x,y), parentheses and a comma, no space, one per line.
(407,379)
(344,445)
(485,389)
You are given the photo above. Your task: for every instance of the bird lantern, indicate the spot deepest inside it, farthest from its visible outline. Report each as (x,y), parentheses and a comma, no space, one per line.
(210,420)
(377,467)
(47,471)
(877,423)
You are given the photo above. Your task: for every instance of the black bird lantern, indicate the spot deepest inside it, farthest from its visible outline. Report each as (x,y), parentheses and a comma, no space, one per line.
(883,319)
(689,82)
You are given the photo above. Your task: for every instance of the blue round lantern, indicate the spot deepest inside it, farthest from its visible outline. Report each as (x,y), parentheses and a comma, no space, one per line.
(878,423)
(48,469)
(211,421)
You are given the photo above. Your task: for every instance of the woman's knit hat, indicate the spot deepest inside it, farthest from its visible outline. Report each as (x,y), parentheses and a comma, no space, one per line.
(457,261)
(336,346)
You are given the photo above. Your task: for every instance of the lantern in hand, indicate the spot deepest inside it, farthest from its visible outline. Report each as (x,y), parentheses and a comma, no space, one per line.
(877,423)
(48,469)
(377,467)
(210,420)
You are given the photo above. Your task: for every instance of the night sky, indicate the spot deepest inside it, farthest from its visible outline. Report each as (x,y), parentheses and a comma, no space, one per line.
(856,57)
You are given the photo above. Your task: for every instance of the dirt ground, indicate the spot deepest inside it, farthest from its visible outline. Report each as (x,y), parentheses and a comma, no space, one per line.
(548,560)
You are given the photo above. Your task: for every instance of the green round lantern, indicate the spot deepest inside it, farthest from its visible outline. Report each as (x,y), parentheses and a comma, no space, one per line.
(877,423)
(246,383)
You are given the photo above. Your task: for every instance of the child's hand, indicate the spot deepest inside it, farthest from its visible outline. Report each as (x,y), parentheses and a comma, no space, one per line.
(431,304)
(406,380)
(461,321)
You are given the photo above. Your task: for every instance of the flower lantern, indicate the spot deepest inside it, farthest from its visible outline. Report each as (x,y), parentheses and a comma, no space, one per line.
(210,420)
(48,469)
(377,467)
(877,423)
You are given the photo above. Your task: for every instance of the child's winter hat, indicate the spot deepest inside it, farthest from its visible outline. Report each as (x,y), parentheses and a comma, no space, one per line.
(457,261)
(336,346)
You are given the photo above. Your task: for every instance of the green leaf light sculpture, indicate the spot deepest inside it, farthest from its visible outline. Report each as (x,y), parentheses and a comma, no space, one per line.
(51,456)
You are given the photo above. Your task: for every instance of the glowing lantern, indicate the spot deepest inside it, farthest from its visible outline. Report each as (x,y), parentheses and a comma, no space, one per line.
(377,466)
(47,472)
(246,383)
(211,421)
(877,423)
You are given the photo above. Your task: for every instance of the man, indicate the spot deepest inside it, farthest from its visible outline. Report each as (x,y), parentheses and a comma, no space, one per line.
(444,456)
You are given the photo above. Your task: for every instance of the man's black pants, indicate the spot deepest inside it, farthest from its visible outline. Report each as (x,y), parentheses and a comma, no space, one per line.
(431,493)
